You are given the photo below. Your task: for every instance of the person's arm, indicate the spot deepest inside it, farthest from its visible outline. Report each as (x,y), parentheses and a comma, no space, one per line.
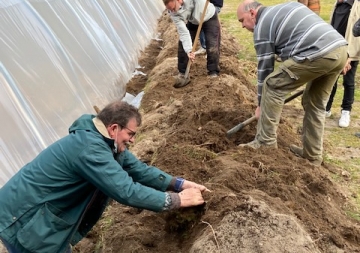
(97,166)
(152,176)
(265,52)
(184,34)
(143,173)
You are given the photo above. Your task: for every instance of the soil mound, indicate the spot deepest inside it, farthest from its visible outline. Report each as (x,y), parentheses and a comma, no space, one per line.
(265,200)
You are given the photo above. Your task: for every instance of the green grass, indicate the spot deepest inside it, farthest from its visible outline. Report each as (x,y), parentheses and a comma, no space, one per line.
(338,138)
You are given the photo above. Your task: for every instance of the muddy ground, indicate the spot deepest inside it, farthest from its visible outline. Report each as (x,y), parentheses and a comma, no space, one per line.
(262,201)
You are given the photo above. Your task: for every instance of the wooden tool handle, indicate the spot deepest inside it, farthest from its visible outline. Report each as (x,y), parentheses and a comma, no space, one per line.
(197,37)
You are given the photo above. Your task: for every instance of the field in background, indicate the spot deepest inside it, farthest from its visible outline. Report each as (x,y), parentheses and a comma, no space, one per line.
(344,146)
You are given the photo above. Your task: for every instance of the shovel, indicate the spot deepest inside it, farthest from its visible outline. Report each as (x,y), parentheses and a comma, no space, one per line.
(181,82)
(253,118)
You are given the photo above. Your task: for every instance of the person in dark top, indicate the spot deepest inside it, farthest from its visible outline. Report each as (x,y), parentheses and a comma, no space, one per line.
(345,14)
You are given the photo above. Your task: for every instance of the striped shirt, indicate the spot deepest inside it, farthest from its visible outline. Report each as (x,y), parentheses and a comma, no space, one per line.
(291,30)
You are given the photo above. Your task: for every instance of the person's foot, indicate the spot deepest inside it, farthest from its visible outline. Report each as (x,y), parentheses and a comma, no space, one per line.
(298,151)
(200,51)
(327,114)
(180,75)
(213,75)
(255,144)
(344,120)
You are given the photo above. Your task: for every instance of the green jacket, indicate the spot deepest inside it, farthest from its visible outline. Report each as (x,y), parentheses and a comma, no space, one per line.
(58,197)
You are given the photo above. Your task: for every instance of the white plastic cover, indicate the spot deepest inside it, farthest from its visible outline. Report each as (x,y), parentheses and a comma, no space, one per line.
(59,58)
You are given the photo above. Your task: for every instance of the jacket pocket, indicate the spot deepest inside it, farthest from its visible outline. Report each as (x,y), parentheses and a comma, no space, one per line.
(48,229)
(280,78)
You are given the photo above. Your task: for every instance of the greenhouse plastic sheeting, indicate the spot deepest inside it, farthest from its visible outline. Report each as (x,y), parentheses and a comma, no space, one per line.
(58,59)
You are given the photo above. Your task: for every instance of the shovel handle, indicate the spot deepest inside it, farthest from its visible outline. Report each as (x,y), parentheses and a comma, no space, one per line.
(240,126)
(196,37)
(300,92)
(253,118)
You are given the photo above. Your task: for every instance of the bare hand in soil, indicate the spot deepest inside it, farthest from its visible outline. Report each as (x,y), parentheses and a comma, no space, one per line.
(189,184)
(191,197)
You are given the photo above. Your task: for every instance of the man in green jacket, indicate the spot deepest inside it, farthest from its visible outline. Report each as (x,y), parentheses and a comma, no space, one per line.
(57,198)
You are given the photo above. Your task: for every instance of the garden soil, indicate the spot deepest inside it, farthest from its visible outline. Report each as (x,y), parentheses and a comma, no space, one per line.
(261,201)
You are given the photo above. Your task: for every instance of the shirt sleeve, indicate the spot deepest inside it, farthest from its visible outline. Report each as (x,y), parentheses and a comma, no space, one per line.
(141,172)
(265,51)
(184,34)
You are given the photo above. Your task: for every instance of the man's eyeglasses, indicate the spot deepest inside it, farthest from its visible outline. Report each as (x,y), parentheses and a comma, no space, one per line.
(131,134)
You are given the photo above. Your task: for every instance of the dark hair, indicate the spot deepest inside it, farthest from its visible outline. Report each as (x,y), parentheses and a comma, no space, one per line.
(251,5)
(119,112)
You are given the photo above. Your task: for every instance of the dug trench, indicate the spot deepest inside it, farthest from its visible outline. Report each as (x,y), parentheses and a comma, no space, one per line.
(265,200)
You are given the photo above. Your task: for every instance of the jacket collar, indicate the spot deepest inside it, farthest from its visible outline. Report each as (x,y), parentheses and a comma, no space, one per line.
(101,128)
(99,125)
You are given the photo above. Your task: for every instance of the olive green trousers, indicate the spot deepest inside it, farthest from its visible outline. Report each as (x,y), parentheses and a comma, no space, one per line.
(319,76)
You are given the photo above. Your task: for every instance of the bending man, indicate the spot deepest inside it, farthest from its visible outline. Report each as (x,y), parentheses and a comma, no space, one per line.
(312,53)
(57,198)
(186,15)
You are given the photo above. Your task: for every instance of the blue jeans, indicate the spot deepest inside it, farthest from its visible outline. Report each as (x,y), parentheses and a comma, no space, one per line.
(202,34)
(11,249)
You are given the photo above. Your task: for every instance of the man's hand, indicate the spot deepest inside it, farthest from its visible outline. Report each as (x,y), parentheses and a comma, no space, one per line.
(191,56)
(188,185)
(257,112)
(347,67)
(191,197)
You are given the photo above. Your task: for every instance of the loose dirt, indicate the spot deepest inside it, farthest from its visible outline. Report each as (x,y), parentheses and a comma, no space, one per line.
(265,200)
